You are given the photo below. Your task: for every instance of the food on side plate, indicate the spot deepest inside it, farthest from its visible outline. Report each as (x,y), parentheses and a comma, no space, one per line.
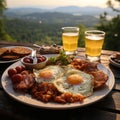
(3,51)
(29,59)
(54,49)
(118,55)
(60,83)
(13,53)
(9,57)
(22,51)
(115,59)
(37,62)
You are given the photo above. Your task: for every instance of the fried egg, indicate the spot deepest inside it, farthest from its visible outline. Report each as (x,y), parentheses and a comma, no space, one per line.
(76,82)
(48,74)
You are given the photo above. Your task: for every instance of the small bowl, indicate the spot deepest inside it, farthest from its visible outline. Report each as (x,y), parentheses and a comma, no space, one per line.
(27,61)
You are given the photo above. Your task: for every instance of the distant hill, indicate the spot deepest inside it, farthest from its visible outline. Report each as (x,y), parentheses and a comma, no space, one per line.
(69,15)
(67,9)
(81,10)
(57,18)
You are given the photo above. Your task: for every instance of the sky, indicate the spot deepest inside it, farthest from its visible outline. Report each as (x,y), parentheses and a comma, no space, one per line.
(55,3)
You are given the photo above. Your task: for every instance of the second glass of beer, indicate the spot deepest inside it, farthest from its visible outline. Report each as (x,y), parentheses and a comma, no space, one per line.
(94,40)
(70,37)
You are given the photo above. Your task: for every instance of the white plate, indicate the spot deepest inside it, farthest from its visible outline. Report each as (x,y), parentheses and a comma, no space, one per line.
(10,61)
(26,98)
(114,63)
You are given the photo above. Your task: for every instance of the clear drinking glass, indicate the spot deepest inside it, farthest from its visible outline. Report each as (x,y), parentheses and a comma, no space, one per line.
(94,40)
(70,37)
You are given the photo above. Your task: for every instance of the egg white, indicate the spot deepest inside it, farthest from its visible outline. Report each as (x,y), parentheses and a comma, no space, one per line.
(85,87)
(57,72)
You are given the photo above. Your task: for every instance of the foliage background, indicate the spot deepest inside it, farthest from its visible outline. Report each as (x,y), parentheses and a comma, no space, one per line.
(49,32)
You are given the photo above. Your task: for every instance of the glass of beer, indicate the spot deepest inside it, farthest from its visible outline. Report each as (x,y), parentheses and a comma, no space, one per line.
(70,37)
(94,40)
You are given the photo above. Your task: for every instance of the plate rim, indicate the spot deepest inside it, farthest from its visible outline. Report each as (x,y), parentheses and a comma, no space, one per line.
(11,61)
(57,106)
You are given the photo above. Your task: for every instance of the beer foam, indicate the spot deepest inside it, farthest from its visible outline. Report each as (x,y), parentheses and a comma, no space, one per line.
(70,34)
(94,37)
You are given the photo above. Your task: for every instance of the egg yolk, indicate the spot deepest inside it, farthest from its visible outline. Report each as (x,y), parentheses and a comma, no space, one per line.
(74,79)
(47,74)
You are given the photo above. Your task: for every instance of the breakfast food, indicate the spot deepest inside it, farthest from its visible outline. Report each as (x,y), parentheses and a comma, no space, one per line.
(47,92)
(3,51)
(29,59)
(100,78)
(115,59)
(59,83)
(49,49)
(13,53)
(9,57)
(49,73)
(22,51)
(118,55)
(76,82)
(22,80)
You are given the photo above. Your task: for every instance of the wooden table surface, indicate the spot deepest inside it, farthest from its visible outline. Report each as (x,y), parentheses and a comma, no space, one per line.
(106,109)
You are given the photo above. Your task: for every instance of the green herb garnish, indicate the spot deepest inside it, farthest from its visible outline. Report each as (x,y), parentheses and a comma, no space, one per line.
(61,59)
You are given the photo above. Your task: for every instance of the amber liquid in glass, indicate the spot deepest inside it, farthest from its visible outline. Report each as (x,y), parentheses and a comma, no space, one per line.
(93,45)
(70,41)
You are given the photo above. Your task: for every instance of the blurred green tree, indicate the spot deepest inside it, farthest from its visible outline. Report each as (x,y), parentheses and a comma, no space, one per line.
(81,42)
(111,27)
(3,33)
(111,5)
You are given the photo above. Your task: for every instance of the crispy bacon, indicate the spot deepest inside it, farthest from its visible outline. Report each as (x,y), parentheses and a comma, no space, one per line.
(48,92)
(69,97)
(26,83)
(44,91)
(100,78)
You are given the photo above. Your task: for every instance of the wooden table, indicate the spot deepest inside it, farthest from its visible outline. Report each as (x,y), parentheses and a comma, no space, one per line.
(106,109)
